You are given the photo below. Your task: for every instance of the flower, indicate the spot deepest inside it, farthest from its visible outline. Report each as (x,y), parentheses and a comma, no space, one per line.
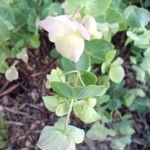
(89,23)
(67,34)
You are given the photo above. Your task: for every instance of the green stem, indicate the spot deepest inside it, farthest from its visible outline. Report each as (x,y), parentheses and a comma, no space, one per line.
(68,115)
(81,79)
(141,2)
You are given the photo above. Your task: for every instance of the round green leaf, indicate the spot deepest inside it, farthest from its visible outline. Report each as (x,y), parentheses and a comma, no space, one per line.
(116,74)
(88,78)
(137,17)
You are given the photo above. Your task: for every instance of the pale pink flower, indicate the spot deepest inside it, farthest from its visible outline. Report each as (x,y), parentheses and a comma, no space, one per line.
(67,34)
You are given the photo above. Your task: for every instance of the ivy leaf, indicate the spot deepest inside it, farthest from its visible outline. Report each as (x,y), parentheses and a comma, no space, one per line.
(98,132)
(62,89)
(116,74)
(137,17)
(56,138)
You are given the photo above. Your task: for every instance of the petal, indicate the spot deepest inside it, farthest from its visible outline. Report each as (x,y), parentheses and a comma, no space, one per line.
(84,32)
(70,46)
(90,24)
(58,26)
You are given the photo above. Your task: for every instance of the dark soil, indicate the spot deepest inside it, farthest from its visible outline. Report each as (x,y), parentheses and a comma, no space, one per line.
(24,111)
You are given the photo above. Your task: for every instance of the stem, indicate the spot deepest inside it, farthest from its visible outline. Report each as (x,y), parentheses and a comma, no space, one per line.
(68,115)
(81,79)
(141,1)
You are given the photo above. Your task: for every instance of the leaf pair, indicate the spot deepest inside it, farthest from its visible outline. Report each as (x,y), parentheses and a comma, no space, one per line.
(56,138)
(57,104)
(116,71)
(84,109)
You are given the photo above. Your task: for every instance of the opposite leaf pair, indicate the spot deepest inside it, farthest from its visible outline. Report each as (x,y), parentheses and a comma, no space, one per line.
(83,109)
(56,138)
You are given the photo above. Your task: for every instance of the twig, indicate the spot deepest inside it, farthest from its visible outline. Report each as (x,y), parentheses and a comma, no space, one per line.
(16,112)
(10,89)
(4,86)
(14,123)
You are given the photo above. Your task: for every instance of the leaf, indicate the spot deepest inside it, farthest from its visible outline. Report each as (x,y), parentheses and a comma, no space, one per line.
(23,55)
(56,138)
(124,127)
(116,74)
(83,64)
(57,104)
(4,31)
(75,133)
(52,138)
(97,49)
(118,62)
(114,16)
(12,74)
(6,14)
(110,56)
(62,89)
(54,9)
(105,67)
(145,65)
(141,105)
(85,112)
(129,98)
(56,75)
(51,102)
(3,63)
(91,7)
(137,17)
(62,109)
(99,132)
(140,73)
(119,144)
(90,91)
(97,7)
(84,109)
(88,78)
